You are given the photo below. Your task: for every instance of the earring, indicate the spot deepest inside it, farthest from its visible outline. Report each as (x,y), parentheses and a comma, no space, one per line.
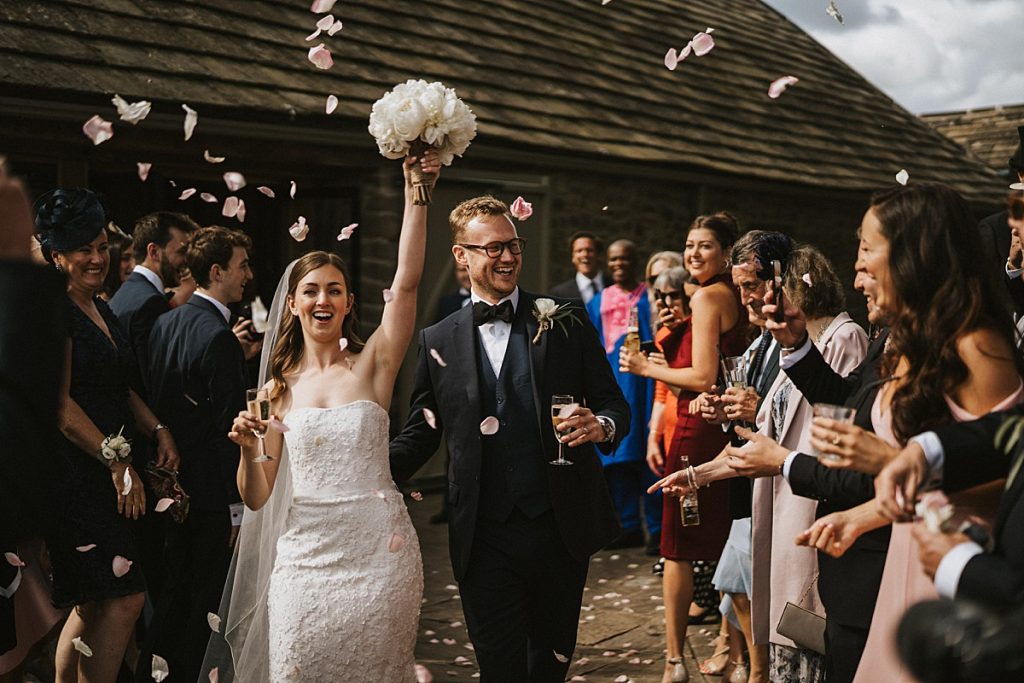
(58,267)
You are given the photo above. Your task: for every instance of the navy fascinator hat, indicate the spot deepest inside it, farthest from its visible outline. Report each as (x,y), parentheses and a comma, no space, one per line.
(67,219)
(772,246)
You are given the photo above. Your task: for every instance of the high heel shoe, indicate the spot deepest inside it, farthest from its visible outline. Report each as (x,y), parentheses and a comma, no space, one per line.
(675,671)
(740,674)
(715,664)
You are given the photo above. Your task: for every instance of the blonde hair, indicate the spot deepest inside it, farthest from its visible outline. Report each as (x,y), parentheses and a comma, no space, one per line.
(466,211)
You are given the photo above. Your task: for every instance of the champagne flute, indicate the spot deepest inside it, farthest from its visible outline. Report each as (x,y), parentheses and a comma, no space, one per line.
(257,402)
(562,407)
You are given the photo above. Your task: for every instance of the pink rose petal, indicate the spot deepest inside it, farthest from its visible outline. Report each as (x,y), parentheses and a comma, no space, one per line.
(423,674)
(416,495)
(389,296)
(185,194)
(347,231)
(396,543)
(214,675)
(566,411)
(164,504)
(299,229)
(85,548)
(127,479)
(292,190)
(902,177)
(143,169)
(230,209)
(278,425)
(521,209)
(173,184)
(13,560)
(332,104)
(159,670)
(806,277)
(437,358)
(335,27)
(622,679)
(208,198)
(560,657)
(448,641)
(191,119)
(429,416)
(320,56)
(671,59)
(463,661)
(343,343)
(685,52)
(489,426)
(98,130)
(80,646)
(266,190)
(314,35)
(702,43)
(325,22)
(121,565)
(241,211)
(234,180)
(131,113)
(212,159)
(214,621)
(321,6)
(779,86)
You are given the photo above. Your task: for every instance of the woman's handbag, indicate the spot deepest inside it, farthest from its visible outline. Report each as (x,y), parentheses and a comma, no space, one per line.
(802,626)
(164,484)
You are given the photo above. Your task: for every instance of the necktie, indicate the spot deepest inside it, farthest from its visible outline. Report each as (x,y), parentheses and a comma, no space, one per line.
(758,360)
(483,312)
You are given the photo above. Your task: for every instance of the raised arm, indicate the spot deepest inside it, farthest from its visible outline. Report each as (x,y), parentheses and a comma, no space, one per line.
(388,344)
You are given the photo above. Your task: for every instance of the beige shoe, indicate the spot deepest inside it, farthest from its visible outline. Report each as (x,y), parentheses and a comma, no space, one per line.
(675,671)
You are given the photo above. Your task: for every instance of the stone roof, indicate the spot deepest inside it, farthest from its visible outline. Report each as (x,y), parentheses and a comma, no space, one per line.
(573,76)
(990,134)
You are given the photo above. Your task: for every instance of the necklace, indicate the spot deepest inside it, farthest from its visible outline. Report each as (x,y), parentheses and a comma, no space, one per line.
(816,336)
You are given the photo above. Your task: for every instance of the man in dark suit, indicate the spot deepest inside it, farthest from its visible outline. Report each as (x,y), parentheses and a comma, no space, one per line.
(453,301)
(32,338)
(997,228)
(521,530)
(159,244)
(585,248)
(197,384)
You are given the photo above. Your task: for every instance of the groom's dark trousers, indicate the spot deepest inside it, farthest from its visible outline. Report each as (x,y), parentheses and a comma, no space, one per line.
(521,531)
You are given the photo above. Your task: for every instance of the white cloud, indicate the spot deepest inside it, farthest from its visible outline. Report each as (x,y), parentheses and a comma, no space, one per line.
(928,55)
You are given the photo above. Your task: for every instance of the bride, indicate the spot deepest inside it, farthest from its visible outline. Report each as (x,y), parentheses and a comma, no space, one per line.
(327,580)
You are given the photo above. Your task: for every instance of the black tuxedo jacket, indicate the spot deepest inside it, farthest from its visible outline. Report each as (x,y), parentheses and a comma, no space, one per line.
(996,230)
(450,303)
(971,458)
(137,304)
(572,363)
(567,289)
(196,380)
(848,585)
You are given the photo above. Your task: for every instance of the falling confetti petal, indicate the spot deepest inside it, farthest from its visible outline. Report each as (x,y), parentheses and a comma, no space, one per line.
(702,43)
(214,675)
(191,118)
(185,194)
(314,35)
(463,661)
(214,621)
(578,679)
(160,671)
(448,641)
(332,104)
(605,2)
(380,494)
(489,426)
(241,211)
(212,159)
(278,425)
(127,479)
(266,190)
(604,208)
(343,343)
(13,560)
(779,86)
(299,229)
(85,548)
(622,679)
(335,27)
(671,59)
(208,198)
(429,416)
(423,674)
(321,57)
(143,170)
(902,177)
(321,6)
(234,180)
(81,647)
(347,231)
(164,504)
(416,495)
(173,184)
(325,22)
(292,190)
(98,130)
(121,565)
(396,543)
(437,357)
(560,657)
(230,209)
(806,277)
(134,112)
(521,209)
(1017,186)
(833,11)
(566,411)
(389,296)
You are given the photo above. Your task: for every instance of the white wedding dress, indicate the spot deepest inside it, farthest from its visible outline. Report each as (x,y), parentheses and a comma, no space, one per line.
(346,586)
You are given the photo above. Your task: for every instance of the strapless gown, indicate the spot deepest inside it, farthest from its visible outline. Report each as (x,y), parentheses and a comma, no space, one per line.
(345,591)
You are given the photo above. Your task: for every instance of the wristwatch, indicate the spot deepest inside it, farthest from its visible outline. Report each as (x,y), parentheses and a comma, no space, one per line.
(608,425)
(159,426)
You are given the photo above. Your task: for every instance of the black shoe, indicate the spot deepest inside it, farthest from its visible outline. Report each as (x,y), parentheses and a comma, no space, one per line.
(628,539)
(653,547)
(440,518)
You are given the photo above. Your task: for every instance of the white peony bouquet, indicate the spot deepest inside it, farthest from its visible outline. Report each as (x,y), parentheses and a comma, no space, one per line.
(417,115)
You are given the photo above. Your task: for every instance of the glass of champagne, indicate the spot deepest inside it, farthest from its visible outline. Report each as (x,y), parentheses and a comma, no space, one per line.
(834,412)
(257,402)
(689,507)
(562,407)
(735,371)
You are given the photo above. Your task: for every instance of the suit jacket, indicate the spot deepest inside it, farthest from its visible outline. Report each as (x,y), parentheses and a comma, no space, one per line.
(196,375)
(971,458)
(450,303)
(137,304)
(848,584)
(566,290)
(995,231)
(561,363)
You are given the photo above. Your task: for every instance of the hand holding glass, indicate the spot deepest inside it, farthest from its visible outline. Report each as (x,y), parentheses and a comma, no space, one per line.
(562,408)
(833,412)
(257,402)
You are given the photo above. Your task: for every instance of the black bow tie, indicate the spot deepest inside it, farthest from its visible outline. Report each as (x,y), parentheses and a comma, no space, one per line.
(483,312)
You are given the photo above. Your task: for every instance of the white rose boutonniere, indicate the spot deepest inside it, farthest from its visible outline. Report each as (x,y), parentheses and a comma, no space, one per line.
(547,313)
(116,448)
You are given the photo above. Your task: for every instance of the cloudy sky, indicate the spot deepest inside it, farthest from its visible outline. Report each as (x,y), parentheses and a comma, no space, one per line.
(928,55)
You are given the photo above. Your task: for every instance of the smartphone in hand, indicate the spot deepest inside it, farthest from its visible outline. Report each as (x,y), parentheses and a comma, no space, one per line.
(648,347)
(780,306)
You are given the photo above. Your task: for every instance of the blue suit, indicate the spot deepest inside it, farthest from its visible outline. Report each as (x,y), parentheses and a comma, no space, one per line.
(626,467)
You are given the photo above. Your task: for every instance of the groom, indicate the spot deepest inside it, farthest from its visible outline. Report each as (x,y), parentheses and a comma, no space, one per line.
(521,531)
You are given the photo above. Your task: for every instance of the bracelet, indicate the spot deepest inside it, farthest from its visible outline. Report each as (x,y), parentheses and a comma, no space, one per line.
(159,426)
(691,477)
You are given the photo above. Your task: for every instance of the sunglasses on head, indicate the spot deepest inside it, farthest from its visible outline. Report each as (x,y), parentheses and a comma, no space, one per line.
(667,296)
(1015,205)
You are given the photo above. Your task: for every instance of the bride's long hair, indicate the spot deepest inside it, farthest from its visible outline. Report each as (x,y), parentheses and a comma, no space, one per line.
(288,350)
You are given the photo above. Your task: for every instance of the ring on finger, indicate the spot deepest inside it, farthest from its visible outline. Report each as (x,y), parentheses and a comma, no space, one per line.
(835,440)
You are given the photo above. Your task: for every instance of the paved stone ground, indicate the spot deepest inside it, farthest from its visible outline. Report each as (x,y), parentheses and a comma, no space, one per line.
(621,626)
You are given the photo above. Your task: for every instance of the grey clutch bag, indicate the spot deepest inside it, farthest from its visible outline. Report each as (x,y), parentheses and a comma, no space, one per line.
(802,626)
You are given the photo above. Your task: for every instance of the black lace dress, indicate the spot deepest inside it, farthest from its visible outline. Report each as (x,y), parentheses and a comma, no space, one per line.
(100,377)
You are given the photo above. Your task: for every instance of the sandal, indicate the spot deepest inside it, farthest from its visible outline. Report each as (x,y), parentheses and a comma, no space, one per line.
(716,663)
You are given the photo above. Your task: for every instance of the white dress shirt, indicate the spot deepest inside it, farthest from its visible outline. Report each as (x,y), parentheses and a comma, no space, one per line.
(224,311)
(495,335)
(153,278)
(588,286)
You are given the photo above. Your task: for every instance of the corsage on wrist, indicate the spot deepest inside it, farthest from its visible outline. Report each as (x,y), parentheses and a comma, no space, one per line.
(116,448)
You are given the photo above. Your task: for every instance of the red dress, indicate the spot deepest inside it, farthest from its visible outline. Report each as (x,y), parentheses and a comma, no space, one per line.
(701,441)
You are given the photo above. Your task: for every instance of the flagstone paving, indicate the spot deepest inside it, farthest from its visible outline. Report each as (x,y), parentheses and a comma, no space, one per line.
(621,630)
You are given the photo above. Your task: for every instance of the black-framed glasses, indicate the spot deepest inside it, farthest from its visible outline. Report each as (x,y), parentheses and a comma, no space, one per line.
(667,296)
(496,249)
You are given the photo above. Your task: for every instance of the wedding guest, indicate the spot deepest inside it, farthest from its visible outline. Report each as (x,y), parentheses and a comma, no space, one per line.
(453,301)
(656,265)
(612,311)
(196,377)
(716,325)
(122,260)
(1006,239)
(585,249)
(99,416)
